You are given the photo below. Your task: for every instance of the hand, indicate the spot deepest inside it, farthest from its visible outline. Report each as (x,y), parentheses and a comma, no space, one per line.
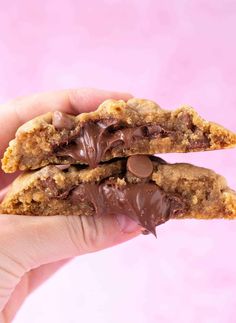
(33,248)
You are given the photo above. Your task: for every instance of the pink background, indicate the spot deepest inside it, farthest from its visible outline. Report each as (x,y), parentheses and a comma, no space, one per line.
(174,52)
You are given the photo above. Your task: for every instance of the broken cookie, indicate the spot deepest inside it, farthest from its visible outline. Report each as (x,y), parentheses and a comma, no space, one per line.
(147,189)
(115,129)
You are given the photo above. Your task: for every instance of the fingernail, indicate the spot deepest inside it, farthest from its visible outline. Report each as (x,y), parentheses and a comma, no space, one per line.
(126,224)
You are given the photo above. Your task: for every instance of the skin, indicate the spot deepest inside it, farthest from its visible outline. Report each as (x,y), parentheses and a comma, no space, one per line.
(33,248)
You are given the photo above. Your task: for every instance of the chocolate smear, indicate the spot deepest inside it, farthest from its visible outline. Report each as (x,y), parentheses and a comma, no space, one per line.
(96,138)
(144,203)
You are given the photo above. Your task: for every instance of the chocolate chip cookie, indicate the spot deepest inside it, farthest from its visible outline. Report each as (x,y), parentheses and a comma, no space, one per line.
(115,129)
(147,189)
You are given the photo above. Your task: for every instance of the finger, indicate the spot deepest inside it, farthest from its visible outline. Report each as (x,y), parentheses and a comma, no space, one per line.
(16,112)
(40,240)
(29,282)
(6,179)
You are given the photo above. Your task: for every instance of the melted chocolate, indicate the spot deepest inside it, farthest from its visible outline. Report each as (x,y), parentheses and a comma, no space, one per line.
(96,138)
(145,203)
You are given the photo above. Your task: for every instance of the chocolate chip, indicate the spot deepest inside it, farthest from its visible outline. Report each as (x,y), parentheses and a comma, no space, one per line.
(61,121)
(140,166)
(201,143)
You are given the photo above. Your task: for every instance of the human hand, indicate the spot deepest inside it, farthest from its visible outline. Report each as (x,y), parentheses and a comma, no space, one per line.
(33,248)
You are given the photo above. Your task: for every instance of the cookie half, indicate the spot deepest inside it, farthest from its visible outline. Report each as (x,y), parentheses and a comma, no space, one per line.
(147,189)
(115,129)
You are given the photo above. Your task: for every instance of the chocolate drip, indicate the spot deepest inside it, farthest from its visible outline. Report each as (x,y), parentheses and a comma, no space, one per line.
(96,138)
(145,203)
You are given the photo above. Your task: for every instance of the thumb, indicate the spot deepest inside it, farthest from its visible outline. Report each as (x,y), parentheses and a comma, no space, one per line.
(27,242)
